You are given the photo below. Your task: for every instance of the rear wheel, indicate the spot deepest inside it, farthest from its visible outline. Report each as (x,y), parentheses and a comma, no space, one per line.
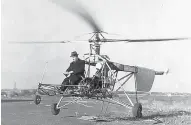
(54,109)
(37,99)
(137,110)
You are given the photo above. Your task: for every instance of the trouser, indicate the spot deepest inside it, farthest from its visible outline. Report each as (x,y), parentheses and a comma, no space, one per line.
(71,80)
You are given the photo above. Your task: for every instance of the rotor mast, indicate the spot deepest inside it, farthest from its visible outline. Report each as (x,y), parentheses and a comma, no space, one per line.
(95,42)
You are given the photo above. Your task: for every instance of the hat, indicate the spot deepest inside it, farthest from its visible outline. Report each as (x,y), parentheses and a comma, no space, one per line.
(74,53)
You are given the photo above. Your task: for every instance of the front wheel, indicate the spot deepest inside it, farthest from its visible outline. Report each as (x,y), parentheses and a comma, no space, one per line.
(37,99)
(137,110)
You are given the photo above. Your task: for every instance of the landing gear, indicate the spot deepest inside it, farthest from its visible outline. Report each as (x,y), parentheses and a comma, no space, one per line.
(137,110)
(54,109)
(37,99)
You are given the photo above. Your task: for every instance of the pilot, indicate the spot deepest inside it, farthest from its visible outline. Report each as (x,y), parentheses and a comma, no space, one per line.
(75,71)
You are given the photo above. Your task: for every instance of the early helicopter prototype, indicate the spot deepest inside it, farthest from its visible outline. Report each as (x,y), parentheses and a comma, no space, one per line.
(101,85)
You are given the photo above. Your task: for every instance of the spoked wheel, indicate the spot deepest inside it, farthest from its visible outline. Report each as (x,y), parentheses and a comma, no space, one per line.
(137,110)
(54,109)
(37,99)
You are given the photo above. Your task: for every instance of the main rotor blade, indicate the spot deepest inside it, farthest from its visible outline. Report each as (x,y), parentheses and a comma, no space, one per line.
(39,42)
(80,11)
(49,42)
(141,40)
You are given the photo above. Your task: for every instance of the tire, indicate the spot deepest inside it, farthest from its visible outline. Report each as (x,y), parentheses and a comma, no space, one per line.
(137,110)
(37,99)
(54,109)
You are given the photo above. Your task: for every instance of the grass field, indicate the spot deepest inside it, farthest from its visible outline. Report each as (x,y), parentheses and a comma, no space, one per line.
(157,109)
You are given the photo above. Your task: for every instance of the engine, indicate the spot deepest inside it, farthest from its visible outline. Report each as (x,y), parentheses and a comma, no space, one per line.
(93,87)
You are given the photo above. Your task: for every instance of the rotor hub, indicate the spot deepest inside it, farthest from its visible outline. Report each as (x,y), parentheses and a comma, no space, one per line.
(96,42)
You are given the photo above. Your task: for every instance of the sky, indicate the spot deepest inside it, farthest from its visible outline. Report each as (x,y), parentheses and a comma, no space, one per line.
(42,20)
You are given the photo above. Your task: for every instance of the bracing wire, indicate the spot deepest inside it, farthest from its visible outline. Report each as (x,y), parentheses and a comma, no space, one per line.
(101,109)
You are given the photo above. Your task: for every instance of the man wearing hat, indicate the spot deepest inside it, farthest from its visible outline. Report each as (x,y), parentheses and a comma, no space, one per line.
(75,71)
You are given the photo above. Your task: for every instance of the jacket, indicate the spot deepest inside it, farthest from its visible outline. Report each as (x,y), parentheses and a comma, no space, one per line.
(77,67)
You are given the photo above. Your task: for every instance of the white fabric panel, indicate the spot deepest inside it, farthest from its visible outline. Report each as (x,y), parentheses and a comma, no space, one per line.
(145,78)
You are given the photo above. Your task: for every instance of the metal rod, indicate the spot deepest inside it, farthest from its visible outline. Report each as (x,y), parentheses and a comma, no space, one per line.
(88,72)
(112,101)
(115,80)
(136,88)
(125,92)
(102,35)
(108,65)
(130,75)
(83,104)
(93,35)
(57,106)
(120,103)
(127,96)
(74,85)
(66,103)
(125,76)
(44,72)
(52,85)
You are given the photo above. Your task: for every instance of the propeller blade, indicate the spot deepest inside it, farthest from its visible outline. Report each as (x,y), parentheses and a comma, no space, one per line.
(140,40)
(80,11)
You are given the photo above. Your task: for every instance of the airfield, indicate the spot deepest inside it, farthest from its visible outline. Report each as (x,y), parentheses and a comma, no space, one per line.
(157,109)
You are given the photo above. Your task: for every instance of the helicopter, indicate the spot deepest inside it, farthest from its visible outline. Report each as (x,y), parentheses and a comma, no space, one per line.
(101,87)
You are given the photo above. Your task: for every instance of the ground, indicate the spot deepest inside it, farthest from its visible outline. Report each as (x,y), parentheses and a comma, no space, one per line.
(157,109)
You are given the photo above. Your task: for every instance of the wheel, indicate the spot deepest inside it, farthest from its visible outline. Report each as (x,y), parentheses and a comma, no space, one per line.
(137,110)
(54,109)
(37,99)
